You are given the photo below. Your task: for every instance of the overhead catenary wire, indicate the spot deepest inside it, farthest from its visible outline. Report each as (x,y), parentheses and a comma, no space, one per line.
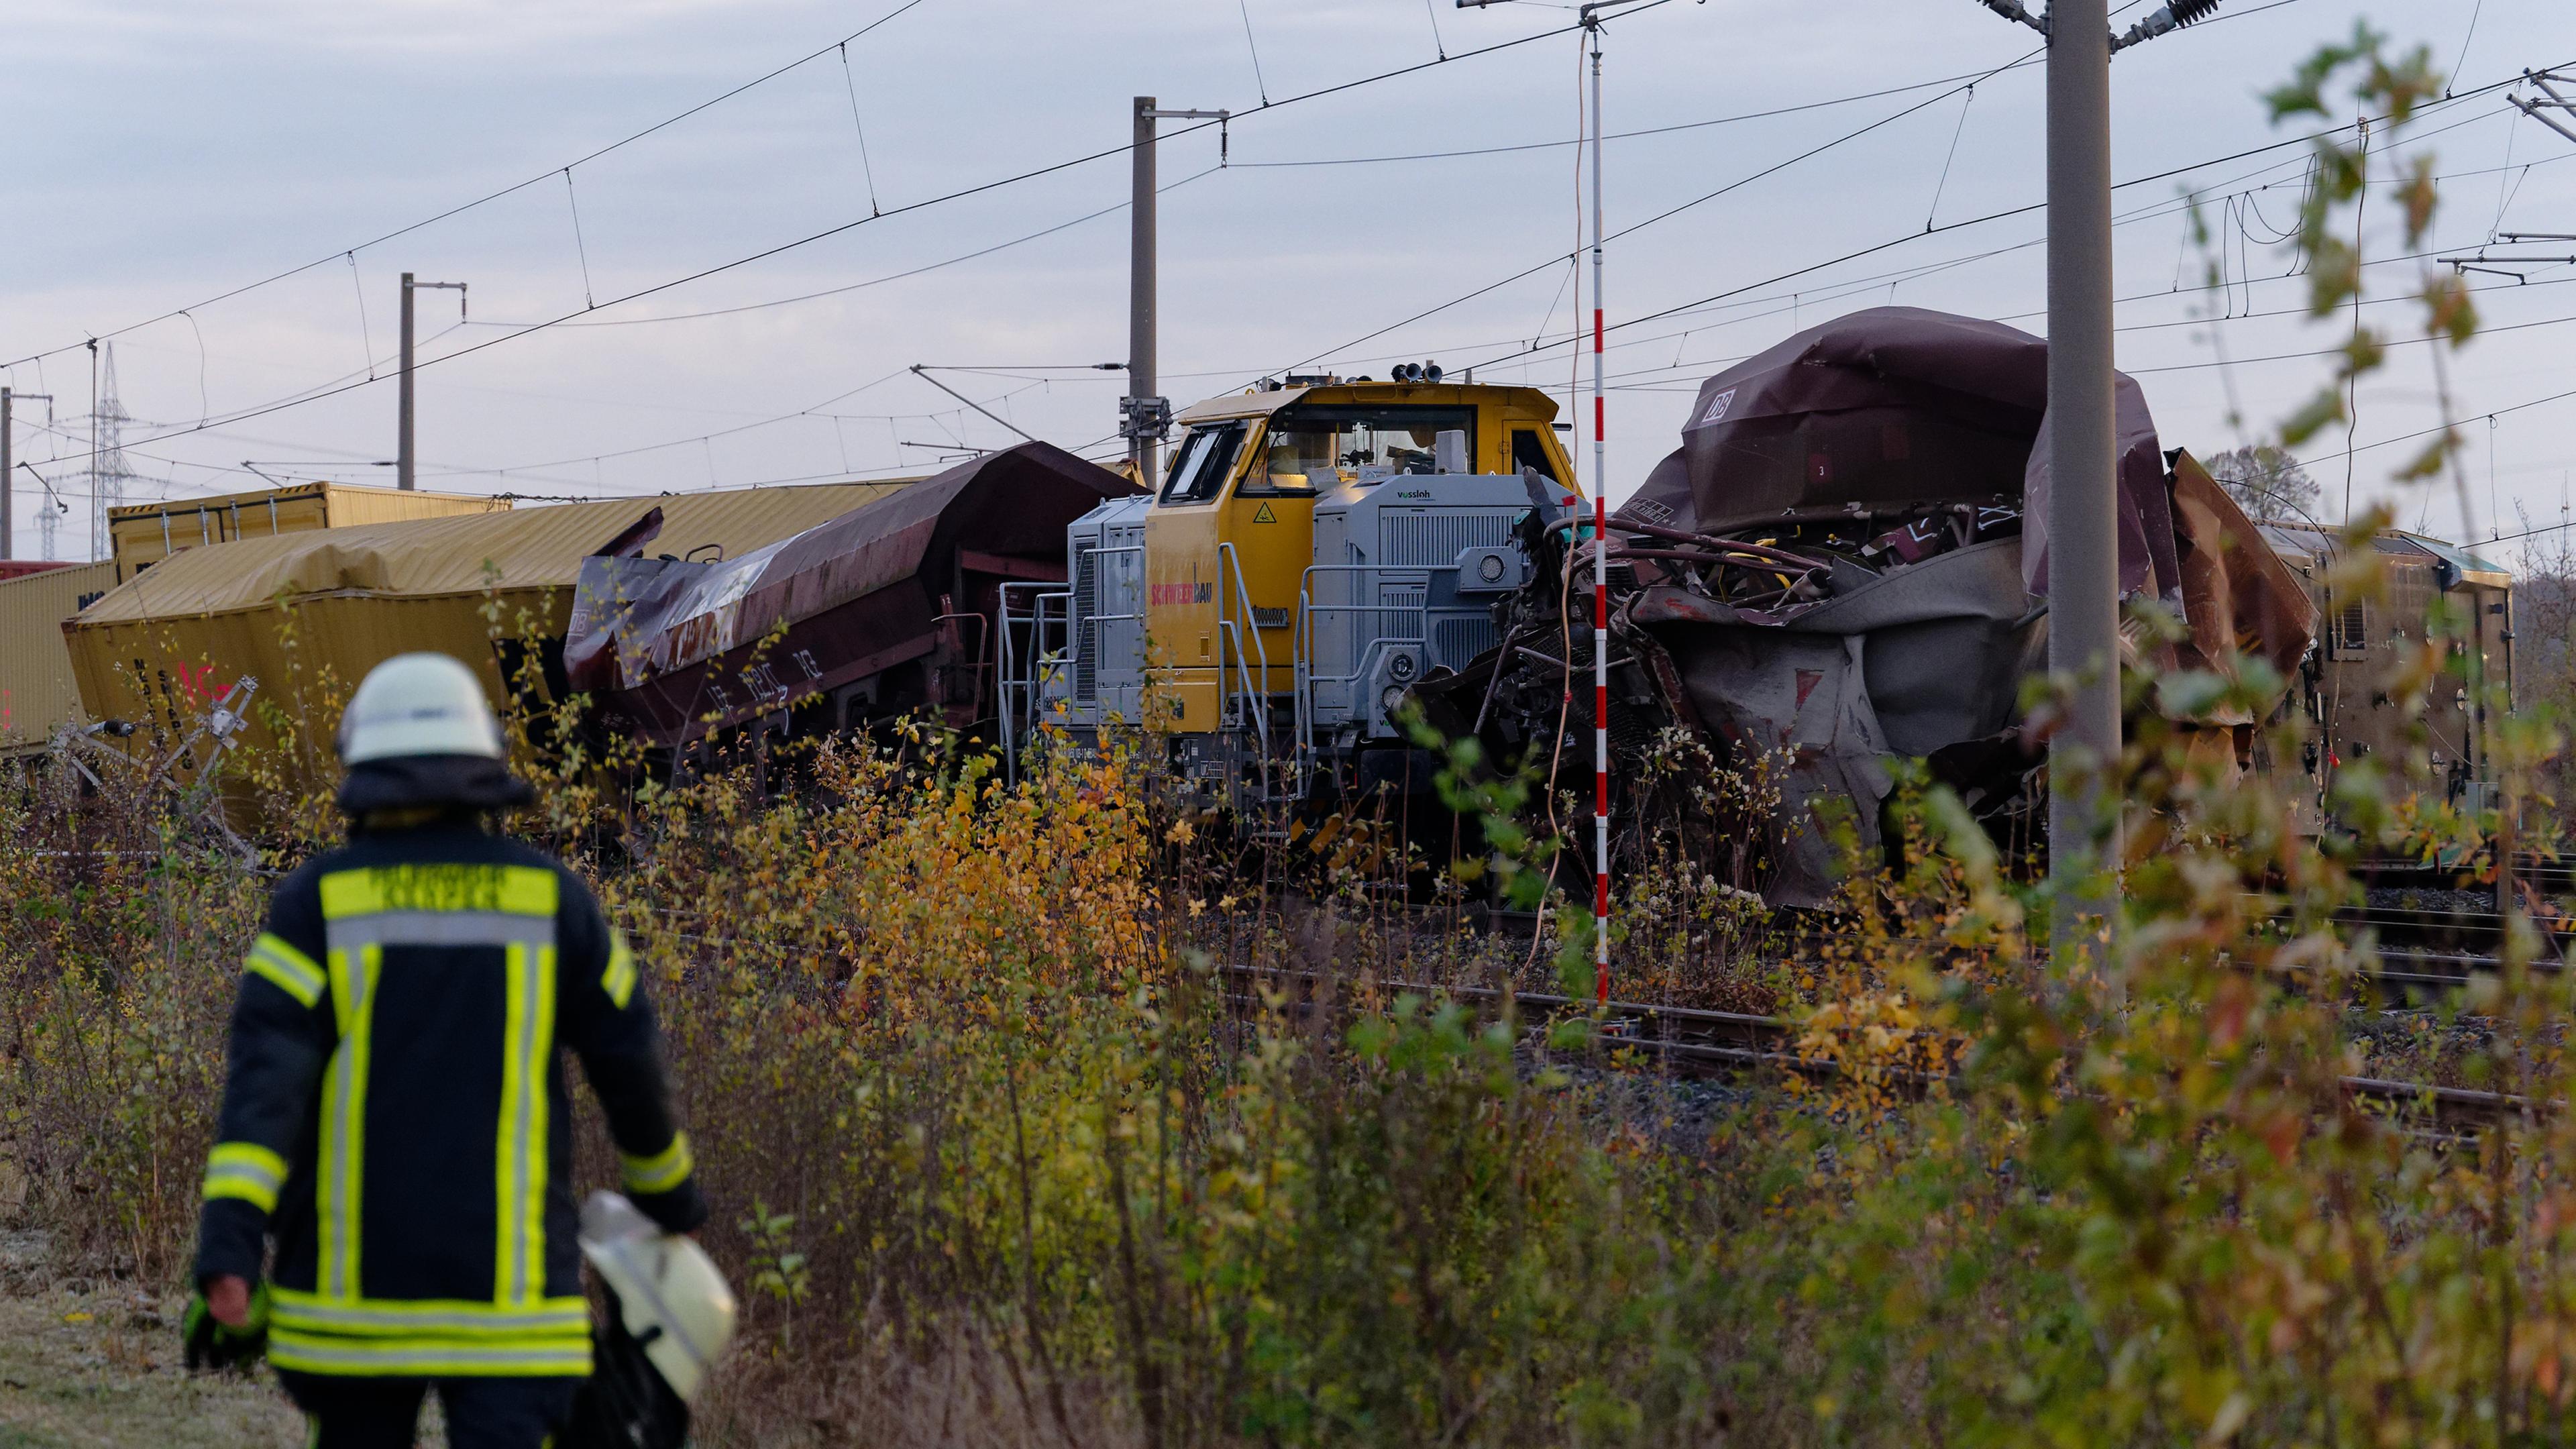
(1625,379)
(1819,266)
(957,194)
(1763,115)
(905,274)
(2026,58)
(521,467)
(2148,213)
(619,322)
(581,249)
(1950,156)
(1914,236)
(2151,211)
(1259,84)
(705,440)
(866,167)
(1661,216)
(487,198)
(366,338)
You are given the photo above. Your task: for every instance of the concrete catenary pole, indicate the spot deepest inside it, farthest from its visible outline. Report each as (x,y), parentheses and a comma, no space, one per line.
(1144,414)
(403,455)
(2083,552)
(402,425)
(8,484)
(1141,380)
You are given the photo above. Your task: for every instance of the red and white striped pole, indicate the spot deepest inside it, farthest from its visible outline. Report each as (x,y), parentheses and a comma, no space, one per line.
(1600,571)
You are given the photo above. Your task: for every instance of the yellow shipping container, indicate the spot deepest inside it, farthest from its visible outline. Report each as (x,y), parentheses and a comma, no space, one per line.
(146,533)
(37,694)
(161,646)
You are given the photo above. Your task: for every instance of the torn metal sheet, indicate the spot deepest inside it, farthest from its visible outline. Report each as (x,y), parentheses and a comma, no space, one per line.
(1908,663)
(2240,598)
(1845,562)
(1801,700)
(1889,409)
(1943,644)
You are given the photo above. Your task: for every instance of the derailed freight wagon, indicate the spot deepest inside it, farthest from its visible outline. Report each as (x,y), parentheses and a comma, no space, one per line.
(883,612)
(37,694)
(307,614)
(2431,591)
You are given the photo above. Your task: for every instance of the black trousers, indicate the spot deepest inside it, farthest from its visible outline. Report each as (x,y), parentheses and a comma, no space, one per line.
(482,1413)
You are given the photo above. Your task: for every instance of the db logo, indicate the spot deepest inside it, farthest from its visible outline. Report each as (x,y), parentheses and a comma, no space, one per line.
(1162,594)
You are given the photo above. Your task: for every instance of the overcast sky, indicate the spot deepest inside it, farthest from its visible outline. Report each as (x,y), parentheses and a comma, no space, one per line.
(162,155)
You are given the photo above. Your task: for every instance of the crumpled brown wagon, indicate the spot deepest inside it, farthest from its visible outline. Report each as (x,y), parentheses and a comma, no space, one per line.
(886,609)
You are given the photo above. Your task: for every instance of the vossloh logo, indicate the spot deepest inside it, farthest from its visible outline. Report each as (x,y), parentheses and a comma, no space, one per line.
(1717,407)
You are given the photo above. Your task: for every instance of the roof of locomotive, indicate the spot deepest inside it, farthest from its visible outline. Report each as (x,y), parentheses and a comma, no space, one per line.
(1262,402)
(2297,539)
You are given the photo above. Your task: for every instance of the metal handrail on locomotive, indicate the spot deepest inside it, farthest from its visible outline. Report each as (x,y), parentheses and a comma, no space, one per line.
(1317,548)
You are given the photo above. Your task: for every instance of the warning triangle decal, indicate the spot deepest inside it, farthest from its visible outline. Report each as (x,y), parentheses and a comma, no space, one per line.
(1265,515)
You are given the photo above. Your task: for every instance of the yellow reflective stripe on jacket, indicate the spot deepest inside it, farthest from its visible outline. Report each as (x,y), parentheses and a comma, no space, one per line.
(315,1315)
(342,1178)
(662,1171)
(430,1355)
(519,1146)
(445,889)
(247,1171)
(290,970)
(619,979)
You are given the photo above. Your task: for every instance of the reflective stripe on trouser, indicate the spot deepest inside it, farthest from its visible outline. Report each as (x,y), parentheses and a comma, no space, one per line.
(430,1355)
(316,1315)
(387,1338)
(365,911)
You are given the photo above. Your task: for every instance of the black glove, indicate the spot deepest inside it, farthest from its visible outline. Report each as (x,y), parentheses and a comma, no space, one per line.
(216,1345)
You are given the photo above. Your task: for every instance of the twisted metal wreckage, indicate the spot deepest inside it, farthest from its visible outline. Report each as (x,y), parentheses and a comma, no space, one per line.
(1844,562)
(1841,564)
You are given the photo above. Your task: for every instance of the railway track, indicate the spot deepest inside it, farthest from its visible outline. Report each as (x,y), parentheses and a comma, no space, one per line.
(1696,1042)
(2413,953)
(2548,875)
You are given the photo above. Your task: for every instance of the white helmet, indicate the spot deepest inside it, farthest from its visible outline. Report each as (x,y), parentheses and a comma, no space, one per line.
(669,1292)
(419,704)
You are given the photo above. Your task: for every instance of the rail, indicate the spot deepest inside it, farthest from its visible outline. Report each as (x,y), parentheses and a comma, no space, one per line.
(1689,1041)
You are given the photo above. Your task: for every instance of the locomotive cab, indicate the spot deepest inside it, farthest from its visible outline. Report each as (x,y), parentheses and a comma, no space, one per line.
(1230,535)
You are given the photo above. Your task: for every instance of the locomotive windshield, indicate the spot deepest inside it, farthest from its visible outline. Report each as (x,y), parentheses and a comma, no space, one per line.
(1310,447)
(1206,456)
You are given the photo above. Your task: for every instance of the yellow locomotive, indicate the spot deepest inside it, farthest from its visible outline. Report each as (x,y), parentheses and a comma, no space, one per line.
(1316,547)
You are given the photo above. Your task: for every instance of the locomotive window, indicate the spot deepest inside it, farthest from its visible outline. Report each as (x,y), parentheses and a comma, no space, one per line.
(1529,452)
(1311,447)
(1206,457)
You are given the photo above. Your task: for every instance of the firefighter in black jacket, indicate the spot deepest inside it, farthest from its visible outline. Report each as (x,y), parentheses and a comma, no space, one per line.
(394,1113)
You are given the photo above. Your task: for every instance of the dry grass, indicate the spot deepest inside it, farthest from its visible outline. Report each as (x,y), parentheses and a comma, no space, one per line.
(93,1364)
